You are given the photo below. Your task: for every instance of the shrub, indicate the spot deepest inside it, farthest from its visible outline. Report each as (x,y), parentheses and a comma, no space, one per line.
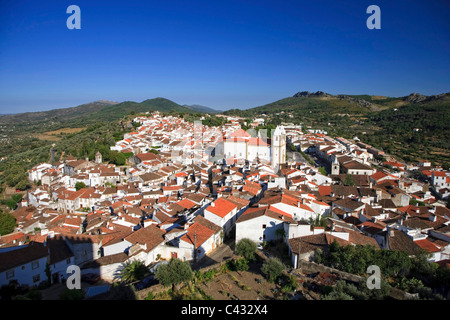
(272,269)
(246,248)
(237,264)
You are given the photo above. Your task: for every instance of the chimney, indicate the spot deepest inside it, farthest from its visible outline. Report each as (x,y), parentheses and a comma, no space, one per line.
(432,217)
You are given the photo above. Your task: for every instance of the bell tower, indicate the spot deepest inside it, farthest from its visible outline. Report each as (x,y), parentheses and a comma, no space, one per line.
(278,148)
(98,157)
(335,167)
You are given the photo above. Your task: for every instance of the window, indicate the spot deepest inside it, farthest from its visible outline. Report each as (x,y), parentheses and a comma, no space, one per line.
(35,265)
(263,226)
(10,274)
(68,261)
(36,278)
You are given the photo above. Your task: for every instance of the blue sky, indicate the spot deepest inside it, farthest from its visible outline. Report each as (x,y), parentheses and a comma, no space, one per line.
(220,54)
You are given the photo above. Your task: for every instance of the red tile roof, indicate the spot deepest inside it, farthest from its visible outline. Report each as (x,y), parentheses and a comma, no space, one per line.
(221,207)
(239,134)
(427,245)
(325,190)
(186,203)
(197,234)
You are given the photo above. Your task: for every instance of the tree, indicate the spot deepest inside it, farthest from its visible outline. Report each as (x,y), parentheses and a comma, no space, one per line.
(7,223)
(323,171)
(348,291)
(133,271)
(319,221)
(80,185)
(12,202)
(120,159)
(348,181)
(246,248)
(174,273)
(22,184)
(272,269)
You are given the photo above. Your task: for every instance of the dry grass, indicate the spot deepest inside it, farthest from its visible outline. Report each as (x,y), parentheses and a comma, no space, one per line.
(378,97)
(57,135)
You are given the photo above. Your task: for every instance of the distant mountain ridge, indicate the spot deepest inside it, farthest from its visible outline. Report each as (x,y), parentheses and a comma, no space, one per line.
(104,110)
(88,113)
(200,108)
(59,112)
(110,110)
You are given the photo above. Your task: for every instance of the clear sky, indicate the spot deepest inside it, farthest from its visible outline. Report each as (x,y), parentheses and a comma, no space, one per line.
(219,54)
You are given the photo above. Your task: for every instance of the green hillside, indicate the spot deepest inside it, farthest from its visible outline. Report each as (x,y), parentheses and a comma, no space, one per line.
(83,115)
(28,137)
(412,128)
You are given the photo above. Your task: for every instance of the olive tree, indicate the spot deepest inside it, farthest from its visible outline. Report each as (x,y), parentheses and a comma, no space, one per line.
(174,273)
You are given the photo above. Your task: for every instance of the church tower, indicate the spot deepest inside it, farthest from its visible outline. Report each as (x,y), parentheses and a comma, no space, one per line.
(335,167)
(98,158)
(278,147)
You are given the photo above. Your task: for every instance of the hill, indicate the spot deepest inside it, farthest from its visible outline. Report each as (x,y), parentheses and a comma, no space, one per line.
(202,109)
(412,127)
(29,136)
(56,114)
(81,116)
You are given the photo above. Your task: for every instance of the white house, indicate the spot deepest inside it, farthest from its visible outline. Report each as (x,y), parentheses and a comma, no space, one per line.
(107,267)
(262,224)
(146,244)
(202,237)
(296,207)
(36,173)
(25,264)
(222,213)
(60,258)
